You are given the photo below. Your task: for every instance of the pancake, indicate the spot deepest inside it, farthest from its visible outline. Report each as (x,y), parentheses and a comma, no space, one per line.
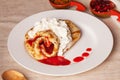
(75,34)
(46,43)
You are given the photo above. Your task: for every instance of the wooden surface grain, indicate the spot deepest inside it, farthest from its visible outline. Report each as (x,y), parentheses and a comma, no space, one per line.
(13,11)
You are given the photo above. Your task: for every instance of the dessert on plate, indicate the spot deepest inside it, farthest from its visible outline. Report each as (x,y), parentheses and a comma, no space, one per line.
(51,37)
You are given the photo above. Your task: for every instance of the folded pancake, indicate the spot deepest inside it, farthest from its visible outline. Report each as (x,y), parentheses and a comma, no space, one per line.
(75,34)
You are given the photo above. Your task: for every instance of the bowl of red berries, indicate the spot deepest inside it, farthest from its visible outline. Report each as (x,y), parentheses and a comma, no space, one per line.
(101,8)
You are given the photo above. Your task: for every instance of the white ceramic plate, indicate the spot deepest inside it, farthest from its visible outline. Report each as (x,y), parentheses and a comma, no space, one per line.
(95,34)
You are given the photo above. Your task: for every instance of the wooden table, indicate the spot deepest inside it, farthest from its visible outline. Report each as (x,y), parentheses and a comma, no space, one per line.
(13,11)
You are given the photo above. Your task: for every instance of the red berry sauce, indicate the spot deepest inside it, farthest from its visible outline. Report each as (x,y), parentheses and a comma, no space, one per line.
(30,41)
(61,61)
(89,49)
(85,54)
(78,59)
(56,60)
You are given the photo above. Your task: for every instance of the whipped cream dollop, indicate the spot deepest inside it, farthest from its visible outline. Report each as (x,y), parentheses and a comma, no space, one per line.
(59,27)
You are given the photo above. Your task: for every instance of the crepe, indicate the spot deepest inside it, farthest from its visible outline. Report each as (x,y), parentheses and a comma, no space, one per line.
(45,44)
(75,34)
(37,47)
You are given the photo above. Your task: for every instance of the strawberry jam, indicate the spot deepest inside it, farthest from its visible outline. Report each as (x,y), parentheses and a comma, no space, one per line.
(89,49)
(46,44)
(30,41)
(48,49)
(78,59)
(62,61)
(85,54)
(56,60)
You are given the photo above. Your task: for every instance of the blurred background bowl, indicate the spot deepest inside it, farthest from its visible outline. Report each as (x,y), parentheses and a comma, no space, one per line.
(60,4)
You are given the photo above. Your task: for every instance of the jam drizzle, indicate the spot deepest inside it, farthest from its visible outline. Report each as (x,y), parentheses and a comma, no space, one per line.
(78,59)
(30,41)
(44,44)
(83,56)
(89,49)
(56,60)
(48,49)
(62,61)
